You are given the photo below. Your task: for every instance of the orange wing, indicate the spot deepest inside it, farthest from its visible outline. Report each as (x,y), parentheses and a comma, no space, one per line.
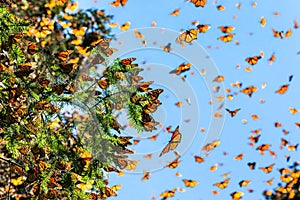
(253,60)
(173,143)
(190,183)
(267,169)
(223,184)
(226,29)
(226,38)
(232,113)
(198,3)
(203,28)
(282,89)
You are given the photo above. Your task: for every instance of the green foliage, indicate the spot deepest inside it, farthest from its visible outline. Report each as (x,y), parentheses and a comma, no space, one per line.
(39,65)
(10,25)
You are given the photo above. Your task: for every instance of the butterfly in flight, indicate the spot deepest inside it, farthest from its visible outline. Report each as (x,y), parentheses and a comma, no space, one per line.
(173,143)
(253,60)
(232,113)
(226,29)
(198,3)
(190,183)
(226,38)
(188,36)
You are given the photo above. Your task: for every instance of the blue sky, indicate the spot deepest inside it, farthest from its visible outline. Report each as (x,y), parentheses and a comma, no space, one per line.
(234,138)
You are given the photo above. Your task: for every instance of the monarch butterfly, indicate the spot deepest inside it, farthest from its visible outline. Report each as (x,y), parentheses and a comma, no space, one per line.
(154,94)
(214,192)
(296,24)
(122,162)
(251,165)
(64,55)
(244,183)
(239,157)
(278,33)
(254,139)
(135,98)
(288,33)
(292,147)
(150,126)
(213,168)
(178,104)
(188,36)
(131,164)
(122,140)
(254,117)
(219,79)
(154,137)
(253,60)
(135,142)
(135,79)
(127,61)
(173,164)
(236,195)
(138,34)
(25,70)
(221,7)
(175,12)
(270,181)
(84,186)
(190,183)
(166,48)
(168,193)
(146,117)
(210,146)
(226,29)
(118,3)
(83,50)
(178,175)
(32,49)
(125,27)
(284,171)
(263,21)
(286,178)
(282,89)
(173,143)
(146,176)
(202,28)
(285,131)
(272,59)
(17,181)
(68,67)
(151,106)
(41,33)
(168,129)
(17,37)
(223,184)
(116,187)
(226,38)
(86,156)
(232,113)
(198,3)
(293,110)
(263,147)
(277,124)
(267,169)
(249,90)
(103,83)
(107,192)
(148,156)
(181,68)
(226,175)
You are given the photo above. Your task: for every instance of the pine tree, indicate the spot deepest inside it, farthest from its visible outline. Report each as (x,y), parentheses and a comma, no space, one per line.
(45,153)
